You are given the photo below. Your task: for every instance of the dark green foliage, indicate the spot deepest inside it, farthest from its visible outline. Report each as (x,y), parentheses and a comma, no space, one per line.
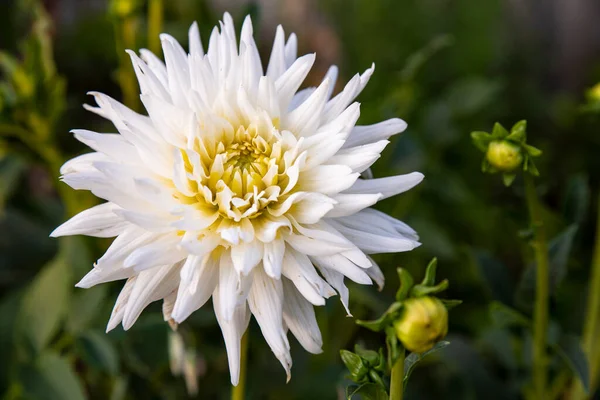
(446,67)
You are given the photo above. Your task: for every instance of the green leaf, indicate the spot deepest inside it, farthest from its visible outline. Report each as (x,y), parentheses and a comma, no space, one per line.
(495,275)
(532,151)
(414,358)
(370,356)
(45,303)
(11,168)
(499,132)
(97,350)
(450,304)
(508,179)
(367,391)
(429,279)
(84,307)
(379,324)
(481,140)
(420,290)
(406,283)
(577,197)
(9,308)
(51,378)
(503,315)
(517,132)
(355,365)
(570,351)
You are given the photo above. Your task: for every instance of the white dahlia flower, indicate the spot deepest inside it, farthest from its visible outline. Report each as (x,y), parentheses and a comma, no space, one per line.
(239,187)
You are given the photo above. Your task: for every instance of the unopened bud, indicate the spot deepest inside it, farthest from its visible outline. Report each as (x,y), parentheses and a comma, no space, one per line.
(423,323)
(504,155)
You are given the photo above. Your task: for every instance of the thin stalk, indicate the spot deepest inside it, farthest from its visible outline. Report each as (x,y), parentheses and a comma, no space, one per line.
(591,327)
(125,28)
(155,21)
(238,392)
(540,314)
(397,379)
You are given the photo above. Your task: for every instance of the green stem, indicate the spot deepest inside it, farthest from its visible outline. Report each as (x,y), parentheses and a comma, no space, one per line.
(540,314)
(397,379)
(125,29)
(155,20)
(237,392)
(591,327)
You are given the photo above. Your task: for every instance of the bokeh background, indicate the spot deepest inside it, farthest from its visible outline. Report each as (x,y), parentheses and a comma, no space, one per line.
(447,67)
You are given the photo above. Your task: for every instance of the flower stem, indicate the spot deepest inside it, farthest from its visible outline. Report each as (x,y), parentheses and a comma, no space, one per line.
(397,379)
(540,315)
(155,20)
(237,393)
(125,28)
(591,328)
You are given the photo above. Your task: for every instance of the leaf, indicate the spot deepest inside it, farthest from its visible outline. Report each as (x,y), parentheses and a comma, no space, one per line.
(517,132)
(45,303)
(11,168)
(367,391)
(450,304)
(84,307)
(502,315)
(9,308)
(499,132)
(495,275)
(429,279)
(481,140)
(406,283)
(576,201)
(383,321)
(414,358)
(559,250)
(420,290)
(97,350)
(51,378)
(355,365)
(570,350)
(508,179)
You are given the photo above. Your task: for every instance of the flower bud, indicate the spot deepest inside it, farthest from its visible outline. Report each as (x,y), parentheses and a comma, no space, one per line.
(594,93)
(504,156)
(423,322)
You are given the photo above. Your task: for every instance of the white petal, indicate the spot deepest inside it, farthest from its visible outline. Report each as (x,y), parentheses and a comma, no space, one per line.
(232,329)
(344,266)
(266,304)
(389,186)
(287,85)
(299,316)
(98,221)
(348,204)
(246,256)
(328,179)
(164,251)
(193,294)
(336,280)
(372,240)
(373,133)
(298,269)
(194,40)
(273,258)
(233,288)
(150,285)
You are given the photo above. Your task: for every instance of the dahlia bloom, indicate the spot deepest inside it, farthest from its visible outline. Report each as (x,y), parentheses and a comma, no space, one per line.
(236,186)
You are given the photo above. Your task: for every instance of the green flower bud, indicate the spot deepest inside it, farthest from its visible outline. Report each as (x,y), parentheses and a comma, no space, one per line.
(504,155)
(423,323)
(594,93)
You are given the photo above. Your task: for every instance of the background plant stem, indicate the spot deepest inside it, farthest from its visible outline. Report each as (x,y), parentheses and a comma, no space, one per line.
(397,379)
(540,314)
(591,327)
(125,29)
(237,392)
(155,21)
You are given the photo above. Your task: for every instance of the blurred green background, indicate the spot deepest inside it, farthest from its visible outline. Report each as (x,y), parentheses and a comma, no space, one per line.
(447,67)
